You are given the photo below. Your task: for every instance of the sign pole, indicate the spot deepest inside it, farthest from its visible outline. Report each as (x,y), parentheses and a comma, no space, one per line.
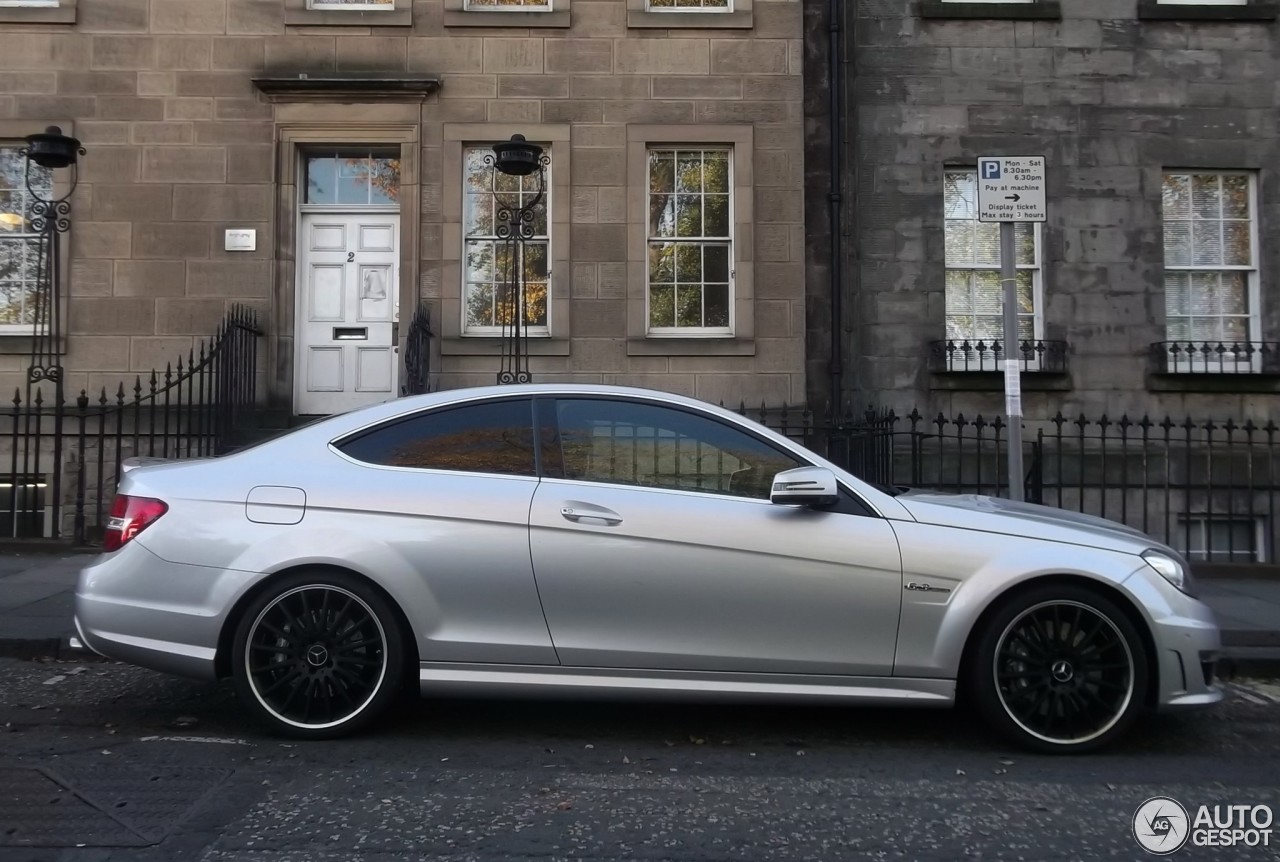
(1011,191)
(1012,374)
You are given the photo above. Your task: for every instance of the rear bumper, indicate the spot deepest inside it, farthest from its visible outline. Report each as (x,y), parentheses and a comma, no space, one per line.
(134,607)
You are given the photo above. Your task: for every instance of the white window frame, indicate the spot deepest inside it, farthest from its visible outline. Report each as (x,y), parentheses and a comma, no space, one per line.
(1197,526)
(543,331)
(987,361)
(701,9)
(1202,2)
(357,6)
(1253,291)
(27,328)
(30,4)
(503,8)
(731,242)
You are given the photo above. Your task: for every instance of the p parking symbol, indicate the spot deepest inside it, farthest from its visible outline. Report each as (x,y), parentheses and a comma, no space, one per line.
(991,170)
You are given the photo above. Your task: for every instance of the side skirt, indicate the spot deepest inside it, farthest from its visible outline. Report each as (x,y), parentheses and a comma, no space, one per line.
(437,678)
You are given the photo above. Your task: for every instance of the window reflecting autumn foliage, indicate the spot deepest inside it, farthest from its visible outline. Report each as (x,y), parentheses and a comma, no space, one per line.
(493,437)
(659,447)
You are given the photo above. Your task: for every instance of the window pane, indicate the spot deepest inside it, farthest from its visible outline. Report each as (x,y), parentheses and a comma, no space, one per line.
(1177,196)
(662,263)
(689,215)
(1236,244)
(689,305)
(1235,196)
(617,442)
(715,263)
(959,292)
(1206,243)
(715,299)
(322,180)
(1204,293)
(479,214)
(662,171)
(715,215)
(986,244)
(1177,243)
(1177,293)
(1024,244)
(1233,293)
(689,263)
(689,172)
(715,172)
(959,242)
(1206,197)
(481,305)
(662,305)
(960,193)
(494,437)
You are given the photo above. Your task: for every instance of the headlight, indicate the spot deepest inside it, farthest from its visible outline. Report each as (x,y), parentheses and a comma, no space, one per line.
(1169,568)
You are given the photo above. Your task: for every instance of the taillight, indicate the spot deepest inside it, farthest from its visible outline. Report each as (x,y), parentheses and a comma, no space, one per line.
(129,517)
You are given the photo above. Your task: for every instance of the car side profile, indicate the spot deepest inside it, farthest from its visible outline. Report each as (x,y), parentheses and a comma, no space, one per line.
(552,539)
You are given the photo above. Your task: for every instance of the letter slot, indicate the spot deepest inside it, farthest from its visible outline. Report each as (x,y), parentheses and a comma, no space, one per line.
(351,333)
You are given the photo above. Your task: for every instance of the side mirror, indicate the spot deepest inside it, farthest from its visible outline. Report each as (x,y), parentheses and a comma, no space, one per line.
(805,486)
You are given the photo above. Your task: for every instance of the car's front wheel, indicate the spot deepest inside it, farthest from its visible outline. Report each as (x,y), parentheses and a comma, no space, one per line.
(1059,669)
(318,655)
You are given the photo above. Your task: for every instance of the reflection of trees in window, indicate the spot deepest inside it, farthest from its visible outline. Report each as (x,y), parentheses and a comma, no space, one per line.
(664,449)
(508,451)
(19,244)
(522,5)
(493,437)
(357,180)
(689,245)
(488,265)
(1208,256)
(974,296)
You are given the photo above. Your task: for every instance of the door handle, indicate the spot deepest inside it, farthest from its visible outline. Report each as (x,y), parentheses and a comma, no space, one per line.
(590,513)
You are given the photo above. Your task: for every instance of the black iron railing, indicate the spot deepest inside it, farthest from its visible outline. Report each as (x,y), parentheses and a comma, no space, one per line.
(1216,357)
(1209,488)
(64,458)
(1049,357)
(417,354)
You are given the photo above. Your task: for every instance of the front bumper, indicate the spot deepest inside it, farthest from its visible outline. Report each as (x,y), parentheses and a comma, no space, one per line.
(1187,643)
(134,607)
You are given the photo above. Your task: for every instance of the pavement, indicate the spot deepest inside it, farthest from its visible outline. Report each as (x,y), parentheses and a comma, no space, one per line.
(37,598)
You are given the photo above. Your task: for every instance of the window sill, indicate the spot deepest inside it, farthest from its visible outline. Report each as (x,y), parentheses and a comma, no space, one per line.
(739,19)
(1258,10)
(456,16)
(726,345)
(63,13)
(993,381)
(21,344)
(486,345)
(1041,10)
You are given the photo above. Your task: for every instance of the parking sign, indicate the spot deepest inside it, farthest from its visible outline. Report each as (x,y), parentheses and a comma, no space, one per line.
(1011,188)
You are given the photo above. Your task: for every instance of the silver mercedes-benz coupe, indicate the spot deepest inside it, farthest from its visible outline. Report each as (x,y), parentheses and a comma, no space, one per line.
(624,542)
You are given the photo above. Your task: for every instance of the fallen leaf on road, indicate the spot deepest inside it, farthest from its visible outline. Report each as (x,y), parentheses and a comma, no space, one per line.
(54,680)
(185,721)
(960,772)
(626,759)
(697,740)
(999,771)
(1004,761)
(565,806)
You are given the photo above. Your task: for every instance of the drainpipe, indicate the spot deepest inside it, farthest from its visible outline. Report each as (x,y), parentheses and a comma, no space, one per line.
(834,201)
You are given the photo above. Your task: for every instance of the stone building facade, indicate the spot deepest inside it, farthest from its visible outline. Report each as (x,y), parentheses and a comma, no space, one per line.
(1158,121)
(323,162)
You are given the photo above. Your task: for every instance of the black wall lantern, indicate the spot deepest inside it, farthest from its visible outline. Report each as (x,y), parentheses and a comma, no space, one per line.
(515,225)
(50,219)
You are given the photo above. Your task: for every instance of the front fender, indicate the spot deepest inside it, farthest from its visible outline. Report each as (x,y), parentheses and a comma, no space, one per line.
(978,568)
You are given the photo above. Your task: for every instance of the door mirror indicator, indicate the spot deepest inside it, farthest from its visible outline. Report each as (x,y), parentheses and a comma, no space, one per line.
(805,486)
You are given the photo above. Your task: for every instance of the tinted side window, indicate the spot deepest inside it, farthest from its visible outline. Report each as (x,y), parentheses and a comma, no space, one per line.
(644,444)
(491,437)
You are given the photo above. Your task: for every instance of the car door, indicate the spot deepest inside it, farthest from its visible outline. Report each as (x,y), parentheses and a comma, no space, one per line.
(448,490)
(655,546)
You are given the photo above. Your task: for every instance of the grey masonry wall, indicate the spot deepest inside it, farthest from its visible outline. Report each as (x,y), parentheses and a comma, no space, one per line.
(1111,99)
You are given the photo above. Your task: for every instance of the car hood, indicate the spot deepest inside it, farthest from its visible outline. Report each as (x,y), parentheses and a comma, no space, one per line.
(997,515)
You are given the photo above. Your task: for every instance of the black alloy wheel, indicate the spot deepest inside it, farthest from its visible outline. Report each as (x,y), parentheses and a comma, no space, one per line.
(318,656)
(1060,669)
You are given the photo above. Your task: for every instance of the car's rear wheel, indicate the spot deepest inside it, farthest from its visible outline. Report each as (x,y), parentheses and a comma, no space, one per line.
(1060,669)
(318,655)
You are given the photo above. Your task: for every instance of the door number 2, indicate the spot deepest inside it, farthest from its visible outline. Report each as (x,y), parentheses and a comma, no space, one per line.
(351,256)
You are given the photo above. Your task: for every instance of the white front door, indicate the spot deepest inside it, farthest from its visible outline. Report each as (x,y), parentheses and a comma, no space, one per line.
(347,302)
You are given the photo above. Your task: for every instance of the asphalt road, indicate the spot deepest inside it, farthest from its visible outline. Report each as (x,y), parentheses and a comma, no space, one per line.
(139,766)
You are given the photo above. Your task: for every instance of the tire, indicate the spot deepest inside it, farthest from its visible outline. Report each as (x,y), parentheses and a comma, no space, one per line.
(318,655)
(1059,669)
